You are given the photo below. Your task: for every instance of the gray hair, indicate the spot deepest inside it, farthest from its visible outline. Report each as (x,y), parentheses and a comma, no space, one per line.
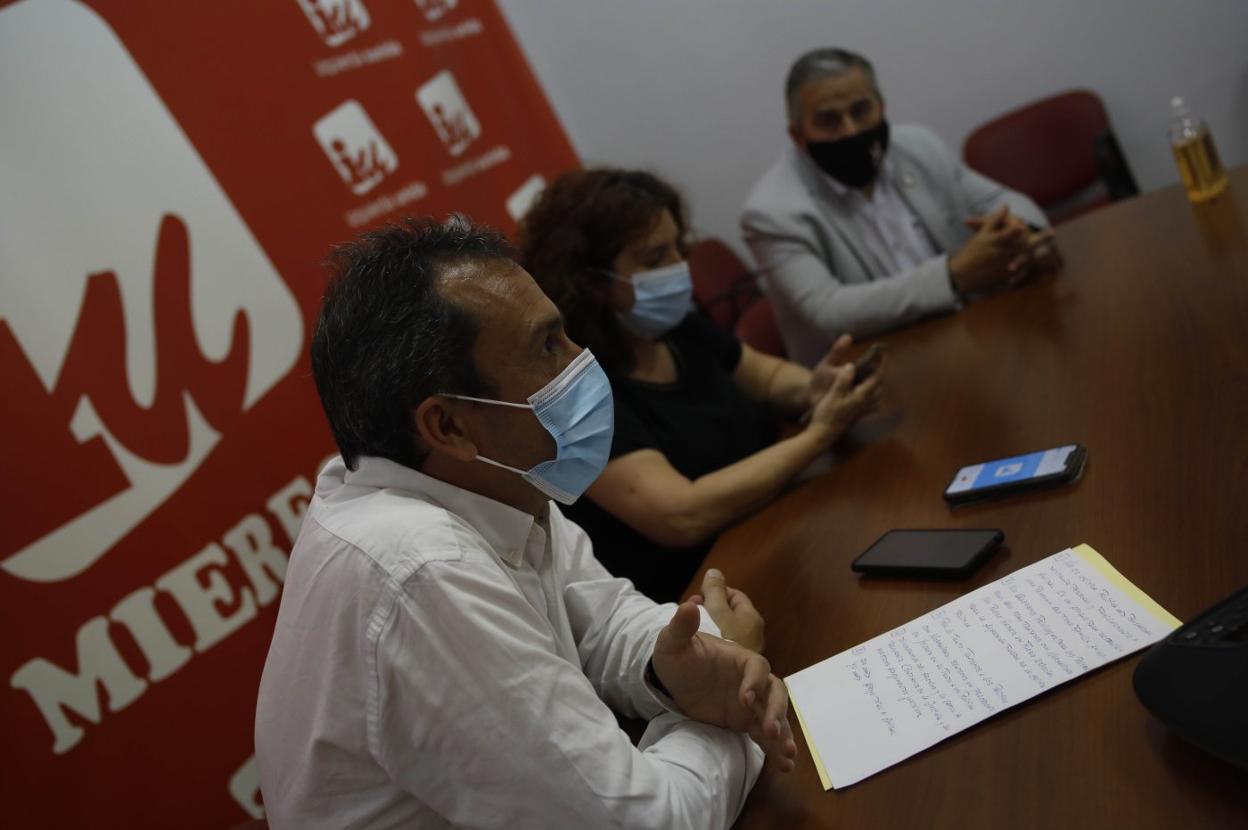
(816,65)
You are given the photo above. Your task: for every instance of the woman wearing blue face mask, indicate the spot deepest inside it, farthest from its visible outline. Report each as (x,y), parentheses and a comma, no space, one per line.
(695,446)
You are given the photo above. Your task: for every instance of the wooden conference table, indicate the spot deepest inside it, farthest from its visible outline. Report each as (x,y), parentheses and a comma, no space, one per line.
(1138,350)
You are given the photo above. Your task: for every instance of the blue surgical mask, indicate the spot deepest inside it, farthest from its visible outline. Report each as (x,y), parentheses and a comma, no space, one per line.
(661,300)
(577,410)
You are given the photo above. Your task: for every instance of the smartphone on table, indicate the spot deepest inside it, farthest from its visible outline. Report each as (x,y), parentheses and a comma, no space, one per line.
(947,553)
(988,479)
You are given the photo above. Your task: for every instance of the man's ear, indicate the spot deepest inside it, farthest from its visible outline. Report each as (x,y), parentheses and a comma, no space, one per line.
(441,428)
(795,133)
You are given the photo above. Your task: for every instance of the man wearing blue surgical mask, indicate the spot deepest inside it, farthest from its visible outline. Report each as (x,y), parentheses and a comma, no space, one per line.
(861,227)
(448,651)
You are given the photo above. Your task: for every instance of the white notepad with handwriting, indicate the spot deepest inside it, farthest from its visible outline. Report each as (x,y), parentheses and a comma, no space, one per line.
(870,707)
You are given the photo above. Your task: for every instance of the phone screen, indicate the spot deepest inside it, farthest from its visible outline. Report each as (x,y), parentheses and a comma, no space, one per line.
(869,362)
(1008,470)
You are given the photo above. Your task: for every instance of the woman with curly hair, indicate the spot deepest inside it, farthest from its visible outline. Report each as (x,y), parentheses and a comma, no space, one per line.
(696,445)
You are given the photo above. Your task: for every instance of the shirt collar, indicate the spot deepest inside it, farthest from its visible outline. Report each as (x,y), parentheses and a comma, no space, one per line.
(503,527)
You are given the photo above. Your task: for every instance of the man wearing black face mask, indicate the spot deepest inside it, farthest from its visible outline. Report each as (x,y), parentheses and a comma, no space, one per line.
(862,228)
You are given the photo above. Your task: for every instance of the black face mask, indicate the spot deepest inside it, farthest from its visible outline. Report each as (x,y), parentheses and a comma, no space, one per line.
(853,161)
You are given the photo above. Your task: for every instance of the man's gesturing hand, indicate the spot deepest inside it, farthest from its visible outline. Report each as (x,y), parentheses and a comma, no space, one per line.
(721,683)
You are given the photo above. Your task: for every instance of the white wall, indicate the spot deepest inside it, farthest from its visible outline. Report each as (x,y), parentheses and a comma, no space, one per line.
(693,89)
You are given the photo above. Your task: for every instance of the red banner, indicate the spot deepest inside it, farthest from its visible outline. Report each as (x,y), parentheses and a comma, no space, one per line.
(171,174)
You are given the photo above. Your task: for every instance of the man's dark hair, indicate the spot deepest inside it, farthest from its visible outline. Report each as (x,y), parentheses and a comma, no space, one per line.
(569,241)
(815,65)
(386,338)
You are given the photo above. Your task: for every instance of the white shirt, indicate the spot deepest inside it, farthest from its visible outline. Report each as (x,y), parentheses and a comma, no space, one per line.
(441,659)
(888,218)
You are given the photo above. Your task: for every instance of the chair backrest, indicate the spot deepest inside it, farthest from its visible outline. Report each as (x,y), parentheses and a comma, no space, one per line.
(1054,150)
(757,328)
(723,286)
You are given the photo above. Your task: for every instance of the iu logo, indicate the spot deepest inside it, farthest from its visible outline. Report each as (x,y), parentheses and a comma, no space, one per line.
(435,9)
(448,112)
(139,318)
(336,21)
(355,147)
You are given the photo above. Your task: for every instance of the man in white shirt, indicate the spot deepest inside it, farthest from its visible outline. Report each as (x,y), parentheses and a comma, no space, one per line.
(448,652)
(860,228)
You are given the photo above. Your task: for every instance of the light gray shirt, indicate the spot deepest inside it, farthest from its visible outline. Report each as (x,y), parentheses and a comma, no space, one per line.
(887,217)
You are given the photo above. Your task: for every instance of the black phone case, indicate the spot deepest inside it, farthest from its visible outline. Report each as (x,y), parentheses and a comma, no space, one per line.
(1071,474)
(970,567)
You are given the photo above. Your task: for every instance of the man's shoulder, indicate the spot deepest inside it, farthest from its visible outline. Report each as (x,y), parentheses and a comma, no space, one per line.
(777,184)
(391,533)
(780,197)
(918,143)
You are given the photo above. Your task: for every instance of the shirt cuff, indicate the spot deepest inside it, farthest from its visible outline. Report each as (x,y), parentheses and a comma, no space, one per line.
(956,299)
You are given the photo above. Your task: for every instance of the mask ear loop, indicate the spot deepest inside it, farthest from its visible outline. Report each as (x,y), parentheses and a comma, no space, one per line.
(486,400)
(632,286)
(543,487)
(496,403)
(494,463)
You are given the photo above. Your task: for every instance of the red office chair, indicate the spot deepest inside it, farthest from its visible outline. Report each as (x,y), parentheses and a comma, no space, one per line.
(1060,151)
(757,328)
(722,284)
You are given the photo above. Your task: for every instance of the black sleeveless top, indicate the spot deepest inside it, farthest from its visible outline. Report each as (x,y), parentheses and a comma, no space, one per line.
(702,423)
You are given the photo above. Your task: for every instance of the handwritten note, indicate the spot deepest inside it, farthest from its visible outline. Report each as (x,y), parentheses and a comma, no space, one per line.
(865,709)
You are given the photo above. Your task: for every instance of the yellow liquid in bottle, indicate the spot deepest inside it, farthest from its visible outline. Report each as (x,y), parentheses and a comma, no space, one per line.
(1199,167)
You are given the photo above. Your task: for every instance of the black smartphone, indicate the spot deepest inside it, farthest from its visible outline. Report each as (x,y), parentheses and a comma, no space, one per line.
(988,479)
(868,363)
(948,553)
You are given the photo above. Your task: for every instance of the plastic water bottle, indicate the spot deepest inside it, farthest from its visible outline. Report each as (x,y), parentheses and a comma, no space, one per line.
(1199,166)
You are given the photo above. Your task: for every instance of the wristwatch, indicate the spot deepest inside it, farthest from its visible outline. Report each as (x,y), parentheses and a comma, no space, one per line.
(652,678)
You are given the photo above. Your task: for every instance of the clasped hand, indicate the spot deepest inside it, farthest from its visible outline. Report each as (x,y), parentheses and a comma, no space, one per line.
(722,683)
(1003,249)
